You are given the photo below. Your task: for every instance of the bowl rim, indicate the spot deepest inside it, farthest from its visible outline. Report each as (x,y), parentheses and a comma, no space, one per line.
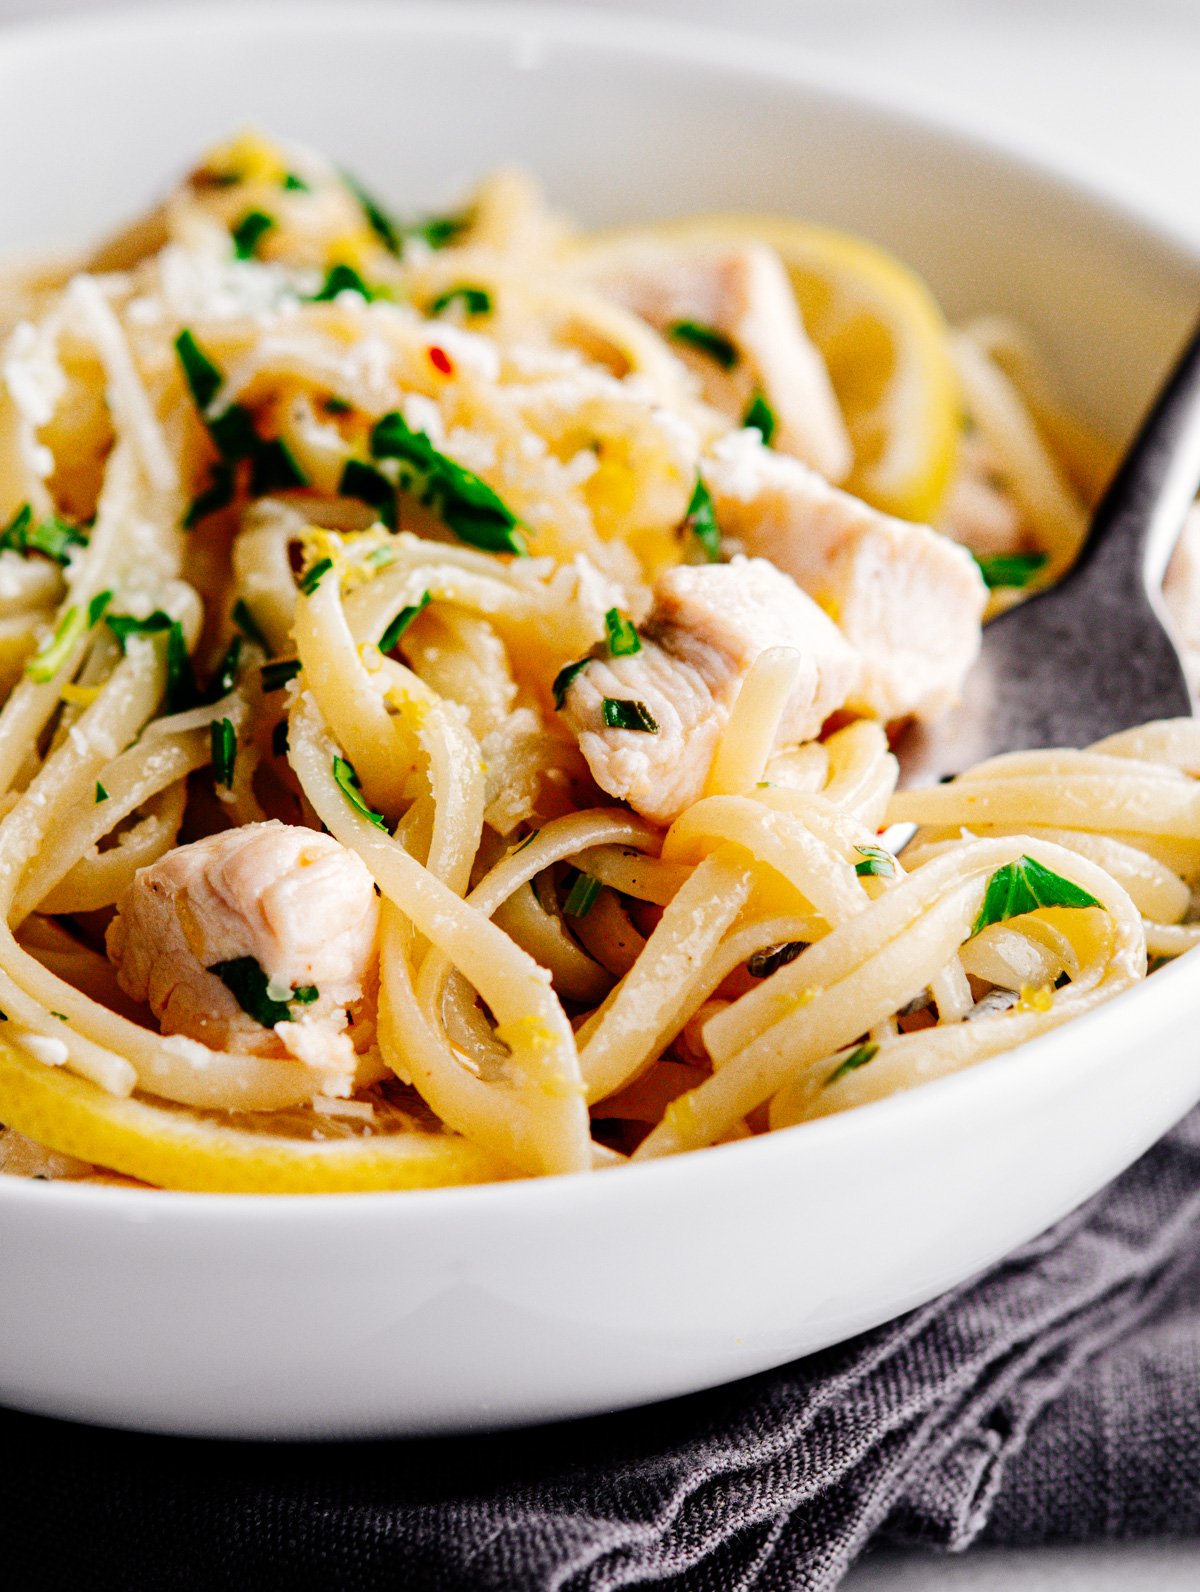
(817,76)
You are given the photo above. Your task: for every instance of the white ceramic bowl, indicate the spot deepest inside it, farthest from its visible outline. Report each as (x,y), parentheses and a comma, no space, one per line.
(436,1311)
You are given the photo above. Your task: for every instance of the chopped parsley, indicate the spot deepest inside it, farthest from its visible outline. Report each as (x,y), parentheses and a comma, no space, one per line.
(313,577)
(233,433)
(181,682)
(334,405)
(277,674)
(248,625)
(622,715)
(436,231)
(1010,569)
(54,537)
(250,987)
(249,233)
(224,751)
(876,862)
(581,897)
(701,521)
(71,628)
(202,376)
(401,623)
(706,340)
(474,300)
(761,416)
(772,957)
(464,502)
(342,278)
(853,1060)
(101,793)
(295,183)
(1024,886)
(347,782)
(623,639)
(125,625)
(370,486)
(562,680)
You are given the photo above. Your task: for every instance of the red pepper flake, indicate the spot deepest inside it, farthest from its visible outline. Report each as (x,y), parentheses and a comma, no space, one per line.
(440,360)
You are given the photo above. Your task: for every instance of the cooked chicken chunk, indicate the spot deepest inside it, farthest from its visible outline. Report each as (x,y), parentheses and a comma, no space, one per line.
(744,295)
(708,625)
(293,902)
(909,601)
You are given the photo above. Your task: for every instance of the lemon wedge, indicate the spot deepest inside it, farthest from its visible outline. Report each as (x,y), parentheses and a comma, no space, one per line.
(176,1148)
(881,334)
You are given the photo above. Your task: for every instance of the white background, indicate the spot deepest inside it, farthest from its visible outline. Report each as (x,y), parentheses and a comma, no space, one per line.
(1110,88)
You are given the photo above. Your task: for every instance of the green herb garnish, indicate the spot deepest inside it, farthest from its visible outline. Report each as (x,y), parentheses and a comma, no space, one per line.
(71,628)
(475,300)
(248,625)
(772,957)
(707,340)
(277,674)
(467,505)
(249,985)
(295,183)
(125,625)
(313,577)
(101,793)
(1024,886)
(1010,569)
(623,639)
(249,233)
(562,680)
(854,1059)
(622,715)
(581,897)
(761,416)
(181,682)
(223,737)
(234,434)
(202,376)
(876,862)
(370,486)
(347,782)
(401,623)
(701,521)
(334,405)
(54,537)
(343,279)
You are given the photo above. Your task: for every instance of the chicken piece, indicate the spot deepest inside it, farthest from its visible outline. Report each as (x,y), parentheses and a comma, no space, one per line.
(1181,588)
(708,625)
(908,600)
(294,902)
(744,295)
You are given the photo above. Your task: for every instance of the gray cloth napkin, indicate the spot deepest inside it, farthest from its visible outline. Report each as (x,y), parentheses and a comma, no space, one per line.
(1057,1396)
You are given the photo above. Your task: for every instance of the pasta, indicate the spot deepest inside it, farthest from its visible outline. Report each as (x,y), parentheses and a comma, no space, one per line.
(448,670)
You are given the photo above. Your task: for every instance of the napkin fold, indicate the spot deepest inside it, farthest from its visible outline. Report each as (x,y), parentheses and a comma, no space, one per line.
(1055,1397)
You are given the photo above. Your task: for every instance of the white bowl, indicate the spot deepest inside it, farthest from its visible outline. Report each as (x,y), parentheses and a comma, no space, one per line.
(401,1313)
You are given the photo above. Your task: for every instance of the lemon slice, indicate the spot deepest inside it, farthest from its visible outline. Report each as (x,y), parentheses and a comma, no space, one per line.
(880,332)
(176,1148)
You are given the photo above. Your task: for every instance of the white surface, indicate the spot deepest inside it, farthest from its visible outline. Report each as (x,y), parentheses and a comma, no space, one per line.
(461,1307)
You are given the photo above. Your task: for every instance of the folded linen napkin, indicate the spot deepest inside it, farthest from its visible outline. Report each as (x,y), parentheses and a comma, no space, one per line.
(1057,1396)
